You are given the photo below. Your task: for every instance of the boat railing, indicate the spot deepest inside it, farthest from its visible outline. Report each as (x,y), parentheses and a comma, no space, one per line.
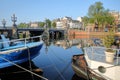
(98,54)
(24,41)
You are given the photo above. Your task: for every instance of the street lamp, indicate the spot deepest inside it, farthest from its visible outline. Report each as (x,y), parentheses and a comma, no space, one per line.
(15,30)
(4,23)
(14,19)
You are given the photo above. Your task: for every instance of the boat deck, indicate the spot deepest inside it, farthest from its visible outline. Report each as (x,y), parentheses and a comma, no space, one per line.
(94,52)
(20,46)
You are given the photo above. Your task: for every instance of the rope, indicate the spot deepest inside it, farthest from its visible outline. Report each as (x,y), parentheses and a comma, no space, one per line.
(64,69)
(24,69)
(56,68)
(57,56)
(86,70)
(14,72)
(105,67)
(30,62)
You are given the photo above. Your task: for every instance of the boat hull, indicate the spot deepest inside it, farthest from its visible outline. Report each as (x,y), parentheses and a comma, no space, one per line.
(19,56)
(79,72)
(81,68)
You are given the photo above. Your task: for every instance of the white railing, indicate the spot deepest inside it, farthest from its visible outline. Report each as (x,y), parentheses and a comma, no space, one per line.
(98,54)
(22,40)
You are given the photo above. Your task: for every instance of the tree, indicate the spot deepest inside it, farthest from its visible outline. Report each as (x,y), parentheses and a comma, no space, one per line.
(85,20)
(99,15)
(95,9)
(95,12)
(54,24)
(22,25)
(48,23)
(41,24)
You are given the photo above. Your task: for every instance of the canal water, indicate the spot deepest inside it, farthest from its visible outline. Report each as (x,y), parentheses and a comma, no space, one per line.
(54,60)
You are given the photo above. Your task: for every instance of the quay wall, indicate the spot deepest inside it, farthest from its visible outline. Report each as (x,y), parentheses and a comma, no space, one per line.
(84,34)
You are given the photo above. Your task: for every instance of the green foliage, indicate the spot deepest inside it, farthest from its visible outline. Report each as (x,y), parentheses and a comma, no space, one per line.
(22,25)
(109,39)
(98,14)
(85,20)
(54,24)
(20,36)
(95,9)
(48,23)
(41,24)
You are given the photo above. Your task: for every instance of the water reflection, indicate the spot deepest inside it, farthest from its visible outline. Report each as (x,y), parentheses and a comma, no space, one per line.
(55,58)
(67,43)
(15,73)
(56,64)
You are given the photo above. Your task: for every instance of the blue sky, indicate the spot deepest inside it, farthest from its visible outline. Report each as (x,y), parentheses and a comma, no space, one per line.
(39,10)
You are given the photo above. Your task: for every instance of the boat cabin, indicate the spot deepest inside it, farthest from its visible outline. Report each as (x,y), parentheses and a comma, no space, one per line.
(4,42)
(106,65)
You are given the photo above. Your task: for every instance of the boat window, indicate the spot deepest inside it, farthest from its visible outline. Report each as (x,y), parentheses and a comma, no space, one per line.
(101,69)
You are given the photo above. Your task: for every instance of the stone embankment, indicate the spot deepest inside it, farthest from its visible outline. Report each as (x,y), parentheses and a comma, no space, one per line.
(74,34)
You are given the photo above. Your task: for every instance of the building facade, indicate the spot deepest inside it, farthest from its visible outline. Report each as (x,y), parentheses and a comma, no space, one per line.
(68,22)
(34,24)
(116,15)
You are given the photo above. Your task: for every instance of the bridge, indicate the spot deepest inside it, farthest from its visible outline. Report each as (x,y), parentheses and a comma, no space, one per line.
(33,31)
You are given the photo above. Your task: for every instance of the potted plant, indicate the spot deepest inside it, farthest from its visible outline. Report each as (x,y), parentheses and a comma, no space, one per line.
(107,42)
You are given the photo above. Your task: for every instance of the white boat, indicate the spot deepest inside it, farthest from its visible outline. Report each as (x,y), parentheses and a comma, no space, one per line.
(93,64)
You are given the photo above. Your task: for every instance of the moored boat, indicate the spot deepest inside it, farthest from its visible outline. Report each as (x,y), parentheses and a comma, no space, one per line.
(19,50)
(93,65)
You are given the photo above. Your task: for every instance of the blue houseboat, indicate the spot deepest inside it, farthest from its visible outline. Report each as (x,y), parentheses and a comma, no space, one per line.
(18,51)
